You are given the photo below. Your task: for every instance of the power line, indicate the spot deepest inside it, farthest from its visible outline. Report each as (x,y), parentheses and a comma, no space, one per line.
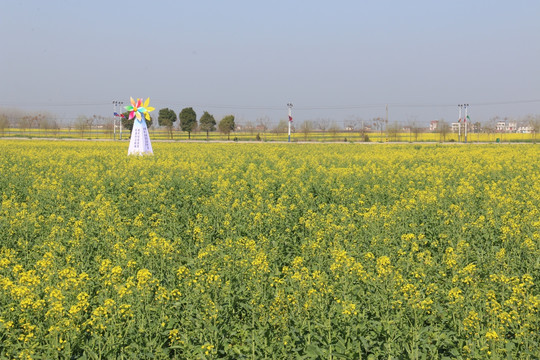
(270,107)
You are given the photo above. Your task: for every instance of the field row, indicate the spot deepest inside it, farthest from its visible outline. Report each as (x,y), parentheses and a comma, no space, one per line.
(269,136)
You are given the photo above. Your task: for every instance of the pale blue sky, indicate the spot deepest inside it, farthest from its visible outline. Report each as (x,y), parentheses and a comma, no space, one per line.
(331,59)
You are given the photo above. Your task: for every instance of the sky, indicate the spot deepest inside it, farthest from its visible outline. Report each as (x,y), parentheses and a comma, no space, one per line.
(337,60)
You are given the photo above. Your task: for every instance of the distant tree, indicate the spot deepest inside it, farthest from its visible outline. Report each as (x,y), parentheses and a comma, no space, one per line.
(378,123)
(444,129)
(25,122)
(250,127)
(361,126)
(226,125)
(334,129)
(81,124)
(534,123)
(207,123)
(491,126)
(89,123)
(4,123)
(98,121)
(323,124)
(188,120)
(167,118)
(393,131)
(350,124)
(55,127)
(263,123)
(108,129)
(306,127)
(414,128)
(281,127)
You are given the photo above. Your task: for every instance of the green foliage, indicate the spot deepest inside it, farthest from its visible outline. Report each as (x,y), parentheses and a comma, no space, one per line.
(207,123)
(188,120)
(226,125)
(166,118)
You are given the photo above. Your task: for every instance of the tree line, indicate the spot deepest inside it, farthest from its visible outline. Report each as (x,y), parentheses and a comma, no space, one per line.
(188,122)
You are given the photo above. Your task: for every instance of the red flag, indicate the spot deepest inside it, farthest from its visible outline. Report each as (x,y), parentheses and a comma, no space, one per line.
(290,118)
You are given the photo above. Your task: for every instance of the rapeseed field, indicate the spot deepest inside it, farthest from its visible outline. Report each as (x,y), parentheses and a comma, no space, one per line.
(276,251)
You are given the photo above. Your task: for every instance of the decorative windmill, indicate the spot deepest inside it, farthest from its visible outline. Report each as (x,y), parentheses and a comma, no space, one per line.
(140,140)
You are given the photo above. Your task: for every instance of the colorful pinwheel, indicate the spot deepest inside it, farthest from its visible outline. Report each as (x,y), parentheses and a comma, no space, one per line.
(137,108)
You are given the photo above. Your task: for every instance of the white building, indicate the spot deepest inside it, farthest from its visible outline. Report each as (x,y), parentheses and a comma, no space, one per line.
(525,129)
(511,126)
(507,126)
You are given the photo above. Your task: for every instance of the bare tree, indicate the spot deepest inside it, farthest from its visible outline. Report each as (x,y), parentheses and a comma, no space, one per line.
(361,126)
(534,123)
(263,123)
(378,123)
(444,129)
(281,127)
(393,131)
(323,124)
(491,126)
(108,129)
(414,128)
(334,129)
(25,122)
(81,124)
(249,127)
(350,124)
(306,127)
(4,123)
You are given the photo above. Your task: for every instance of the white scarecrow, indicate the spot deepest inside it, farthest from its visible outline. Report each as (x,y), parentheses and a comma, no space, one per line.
(140,139)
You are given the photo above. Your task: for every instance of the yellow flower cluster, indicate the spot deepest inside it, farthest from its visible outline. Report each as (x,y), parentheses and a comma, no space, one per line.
(262,250)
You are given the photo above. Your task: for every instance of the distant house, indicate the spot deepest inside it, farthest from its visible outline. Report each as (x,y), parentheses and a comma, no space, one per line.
(511,126)
(455,127)
(525,129)
(433,125)
(506,126)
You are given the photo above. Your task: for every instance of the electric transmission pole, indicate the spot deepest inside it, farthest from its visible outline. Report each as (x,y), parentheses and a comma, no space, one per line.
(290,105)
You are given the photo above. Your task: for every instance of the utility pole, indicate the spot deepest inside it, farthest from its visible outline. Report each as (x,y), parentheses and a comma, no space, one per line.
(386,122)
(117,105)
(465,121)
(459,122)
(290,105)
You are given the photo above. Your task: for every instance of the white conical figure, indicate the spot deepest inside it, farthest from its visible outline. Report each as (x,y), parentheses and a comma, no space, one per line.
(140,140)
